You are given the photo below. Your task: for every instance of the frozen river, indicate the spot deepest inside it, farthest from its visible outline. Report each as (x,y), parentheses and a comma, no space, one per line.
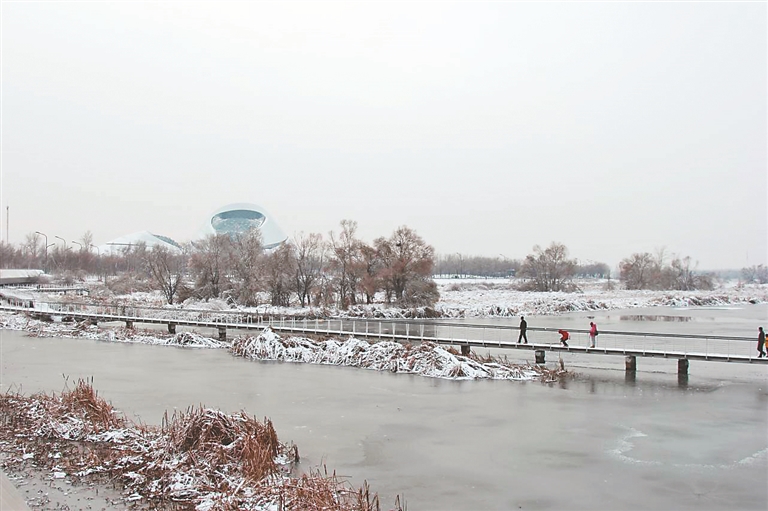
(600,441)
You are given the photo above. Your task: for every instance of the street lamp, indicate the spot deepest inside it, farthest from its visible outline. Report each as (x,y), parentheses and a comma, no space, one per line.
(62,239)
(45,264)
(511,271)
(79,244)
(98,250)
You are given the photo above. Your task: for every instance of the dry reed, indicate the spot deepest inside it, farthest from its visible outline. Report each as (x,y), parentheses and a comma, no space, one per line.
(198,459)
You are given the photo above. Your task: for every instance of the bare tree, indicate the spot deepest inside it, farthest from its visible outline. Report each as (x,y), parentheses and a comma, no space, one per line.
(87,240)
(345,249)
(758,273)
(309,253)
(371,266)
(247,266)
(406,264)
(279,269)
(644,271)
(33,248)
(166,270)
(549,269)
(210,263)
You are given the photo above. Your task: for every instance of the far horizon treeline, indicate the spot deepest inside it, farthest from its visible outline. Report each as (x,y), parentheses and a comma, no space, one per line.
(340,269)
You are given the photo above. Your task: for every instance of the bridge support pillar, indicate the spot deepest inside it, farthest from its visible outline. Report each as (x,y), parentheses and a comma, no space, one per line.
(129,324)
(223,334)
(682,366)
(465,350)
(171,328)
(540,356)
(630,363)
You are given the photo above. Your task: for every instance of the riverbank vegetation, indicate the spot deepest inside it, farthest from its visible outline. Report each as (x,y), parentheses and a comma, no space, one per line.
(200,459)
(396,276)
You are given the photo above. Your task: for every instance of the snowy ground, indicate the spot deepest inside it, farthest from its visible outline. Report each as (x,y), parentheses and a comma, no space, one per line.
(480,298)
(467,298)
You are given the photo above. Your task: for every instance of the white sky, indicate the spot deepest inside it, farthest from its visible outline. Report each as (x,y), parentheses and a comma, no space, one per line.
(611,127)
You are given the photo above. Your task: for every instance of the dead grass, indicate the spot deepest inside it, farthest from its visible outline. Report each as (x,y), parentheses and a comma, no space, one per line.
(197,458)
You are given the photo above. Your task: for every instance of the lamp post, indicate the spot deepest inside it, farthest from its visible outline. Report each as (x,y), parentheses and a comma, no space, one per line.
(98,261)
(62,239)
(79,244)
(511,271)
(45,264)
(461,265)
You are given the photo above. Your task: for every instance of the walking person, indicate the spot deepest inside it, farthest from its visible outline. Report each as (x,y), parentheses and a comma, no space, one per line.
(592,334)
(523,329)
(564,336)
(760,341)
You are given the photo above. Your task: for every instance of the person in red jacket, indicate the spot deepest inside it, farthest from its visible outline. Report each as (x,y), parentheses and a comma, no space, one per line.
(564,336)
(592,334)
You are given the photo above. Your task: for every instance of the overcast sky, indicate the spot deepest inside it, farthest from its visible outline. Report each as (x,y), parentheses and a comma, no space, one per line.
(613,128)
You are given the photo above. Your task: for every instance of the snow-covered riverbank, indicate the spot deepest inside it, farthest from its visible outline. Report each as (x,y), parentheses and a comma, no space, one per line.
(428,359)
(478,298)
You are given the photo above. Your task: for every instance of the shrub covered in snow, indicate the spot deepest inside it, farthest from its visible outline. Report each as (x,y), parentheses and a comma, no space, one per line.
(426,359)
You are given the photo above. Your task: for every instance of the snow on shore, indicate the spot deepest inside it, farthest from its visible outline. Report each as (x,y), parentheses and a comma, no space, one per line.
(425,359)
(202,459)
(476,298)
(499,297)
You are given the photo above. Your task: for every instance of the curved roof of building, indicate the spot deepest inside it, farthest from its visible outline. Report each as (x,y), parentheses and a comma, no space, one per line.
(137,238)
(238,218)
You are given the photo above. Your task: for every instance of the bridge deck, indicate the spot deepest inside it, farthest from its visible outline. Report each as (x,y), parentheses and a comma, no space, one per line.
(305,328)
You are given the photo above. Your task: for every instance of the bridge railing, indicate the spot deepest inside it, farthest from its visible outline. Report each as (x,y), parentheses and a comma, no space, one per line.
(421,330)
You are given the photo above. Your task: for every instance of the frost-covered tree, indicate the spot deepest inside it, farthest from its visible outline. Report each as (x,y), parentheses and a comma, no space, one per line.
(309,254)
(758,273)
(644,271)
(406,267)
(279,271)
(210,264)
(166,270)
(638,271)
(549,269)
(247,262)
(345,262)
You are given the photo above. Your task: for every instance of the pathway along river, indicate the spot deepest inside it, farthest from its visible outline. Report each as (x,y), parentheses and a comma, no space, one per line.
(600,441)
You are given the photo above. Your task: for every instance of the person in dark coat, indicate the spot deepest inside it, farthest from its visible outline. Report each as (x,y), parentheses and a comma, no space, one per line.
(760,341)
(523,329)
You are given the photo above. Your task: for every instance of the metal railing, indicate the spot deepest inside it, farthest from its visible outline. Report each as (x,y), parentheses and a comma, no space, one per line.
(501,336)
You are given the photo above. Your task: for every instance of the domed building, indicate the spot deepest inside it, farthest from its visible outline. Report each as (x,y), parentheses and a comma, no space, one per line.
(146,238)
(233,219)
(239,218)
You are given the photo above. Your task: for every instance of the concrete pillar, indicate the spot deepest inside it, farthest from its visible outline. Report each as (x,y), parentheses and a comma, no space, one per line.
(682,366)
(129,324)
(223,334)
(630,363)
(171,328)
(540,354)
(465,350)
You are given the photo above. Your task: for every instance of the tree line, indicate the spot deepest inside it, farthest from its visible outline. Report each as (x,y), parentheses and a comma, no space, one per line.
(341,270)
(338,270)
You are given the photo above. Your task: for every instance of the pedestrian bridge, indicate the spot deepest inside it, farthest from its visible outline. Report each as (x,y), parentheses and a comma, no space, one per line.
(465,336)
